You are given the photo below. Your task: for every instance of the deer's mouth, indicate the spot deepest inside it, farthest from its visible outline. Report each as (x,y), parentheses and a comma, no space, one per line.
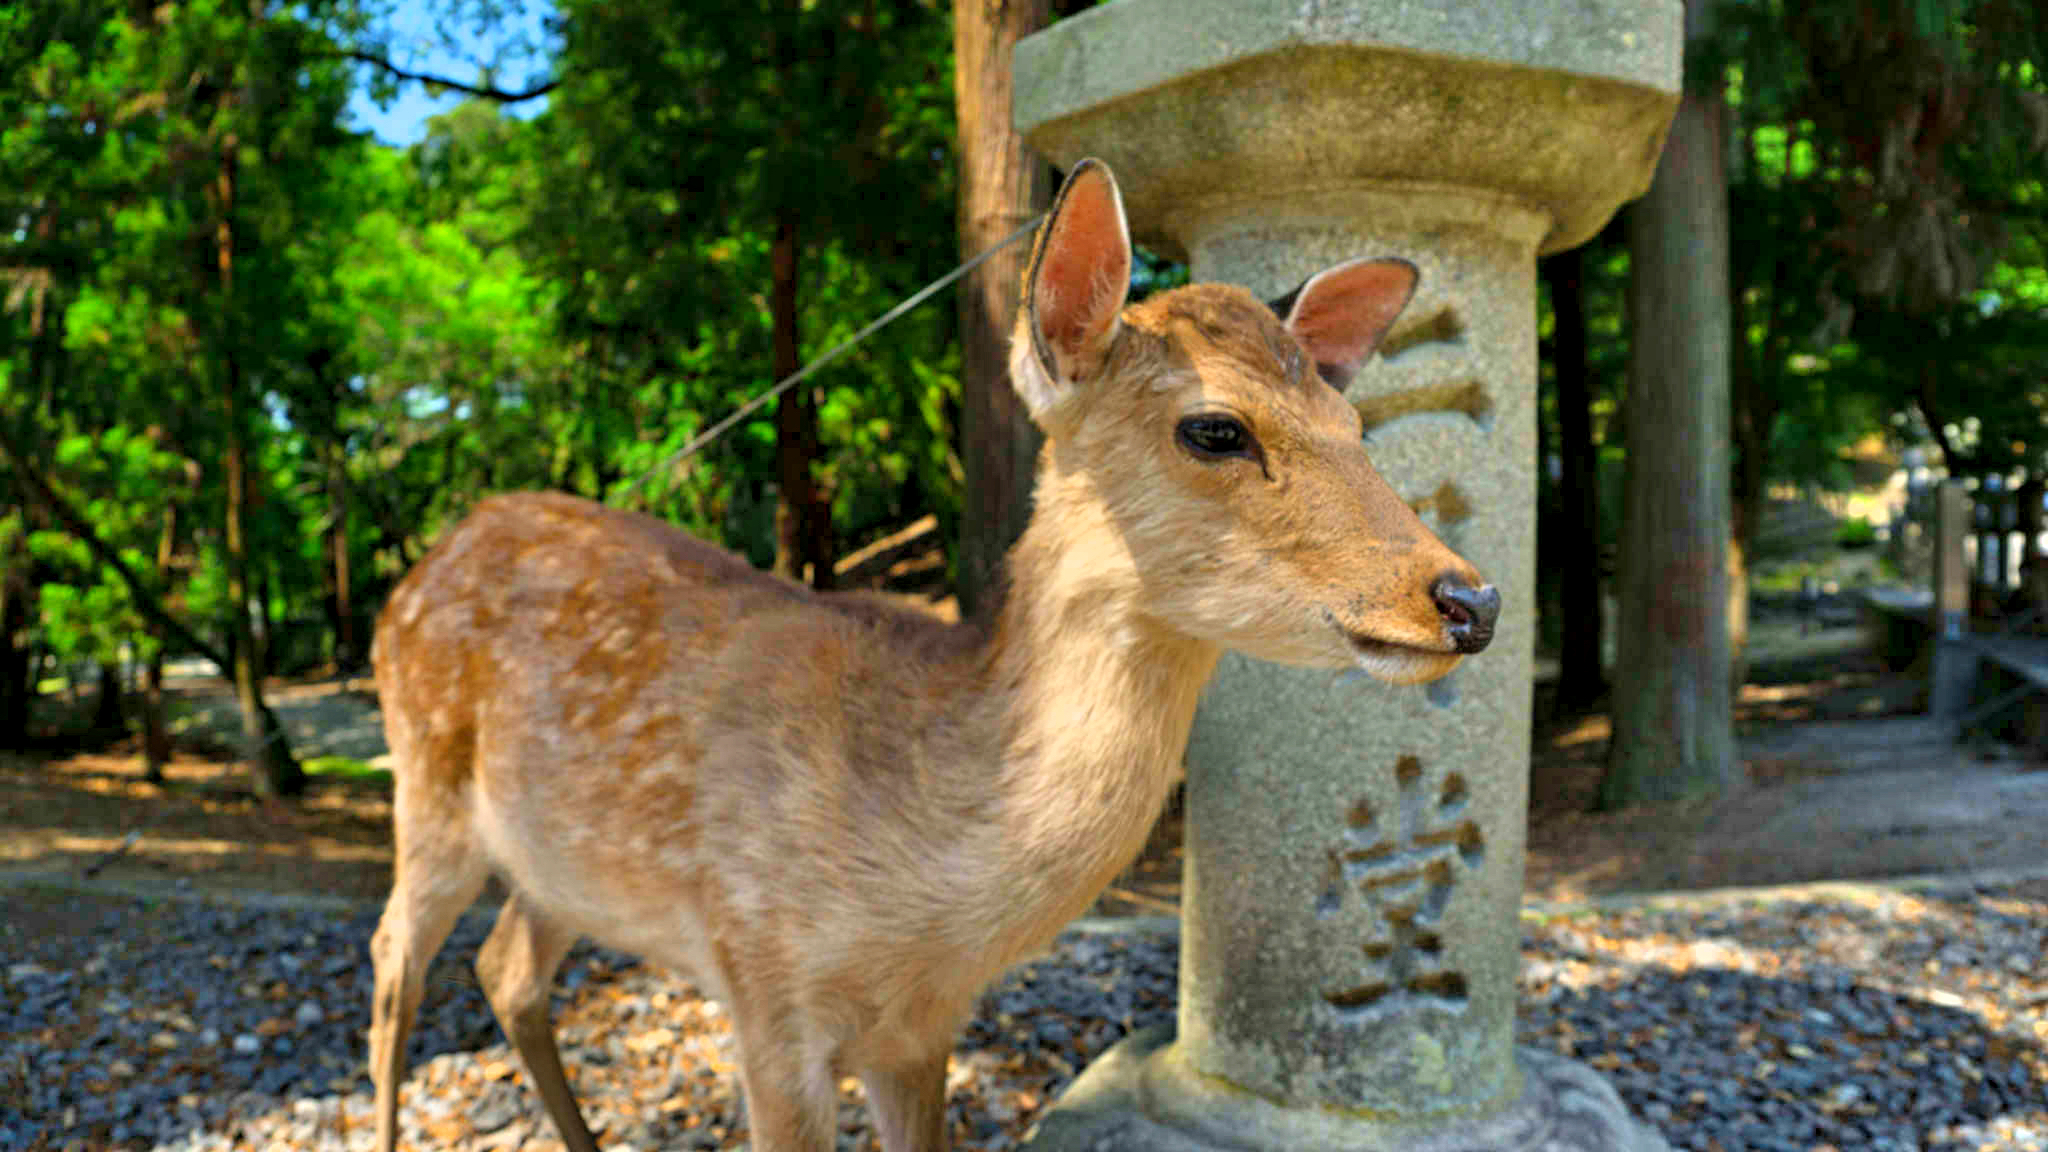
(1398,663)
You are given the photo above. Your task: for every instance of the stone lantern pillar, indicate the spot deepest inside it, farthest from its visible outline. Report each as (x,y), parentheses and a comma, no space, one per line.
(1350,937)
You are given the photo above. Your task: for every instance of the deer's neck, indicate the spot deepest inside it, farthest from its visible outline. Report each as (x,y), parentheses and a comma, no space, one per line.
(1087,714)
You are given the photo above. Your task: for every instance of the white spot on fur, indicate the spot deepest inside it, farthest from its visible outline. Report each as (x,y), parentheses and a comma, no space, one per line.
(1033,383)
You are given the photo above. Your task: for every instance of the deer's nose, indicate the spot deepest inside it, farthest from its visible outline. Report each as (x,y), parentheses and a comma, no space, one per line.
(1469,613)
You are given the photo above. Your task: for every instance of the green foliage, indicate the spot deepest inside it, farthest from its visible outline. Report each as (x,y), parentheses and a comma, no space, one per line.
(1888,225)
(691,137)
(347,768)
(116,478)
(559,301)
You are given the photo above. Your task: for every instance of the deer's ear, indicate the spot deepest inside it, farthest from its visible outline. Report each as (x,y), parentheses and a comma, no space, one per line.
(1080,272)
(1341,314)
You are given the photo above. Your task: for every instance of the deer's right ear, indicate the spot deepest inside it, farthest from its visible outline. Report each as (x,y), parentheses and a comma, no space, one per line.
(1079,275)
(1341,314)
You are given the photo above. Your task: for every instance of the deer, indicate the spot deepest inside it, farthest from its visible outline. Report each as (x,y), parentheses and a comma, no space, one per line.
(834,813)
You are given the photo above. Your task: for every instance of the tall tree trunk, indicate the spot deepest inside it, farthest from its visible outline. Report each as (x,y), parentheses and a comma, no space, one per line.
(1755,411)
(1754,414)
(1673,715)
(2028,498)
(261,623)
(154,726)
(1581,678)
(340,600)
(18,590)
(156,734)
(17,681)
(1001,186)
(107,722)
(803,520)
(272,768)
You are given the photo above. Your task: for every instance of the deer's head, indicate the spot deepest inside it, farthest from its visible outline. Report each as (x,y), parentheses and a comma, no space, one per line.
(1211,430)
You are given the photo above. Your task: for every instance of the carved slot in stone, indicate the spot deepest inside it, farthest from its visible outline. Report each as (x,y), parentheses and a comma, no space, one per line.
(1460,393)
(1466,396)
(1445,512)
(1408,874)
(1447,502)
(1443,326)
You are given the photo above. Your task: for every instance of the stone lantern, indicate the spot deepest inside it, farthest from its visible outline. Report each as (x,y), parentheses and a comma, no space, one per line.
(1350,937)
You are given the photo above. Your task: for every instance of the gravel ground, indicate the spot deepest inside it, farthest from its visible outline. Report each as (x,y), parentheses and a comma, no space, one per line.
(1881,1022)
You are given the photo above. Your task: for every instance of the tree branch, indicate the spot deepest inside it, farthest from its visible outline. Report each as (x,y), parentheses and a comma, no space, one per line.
(39,490)
(501,95)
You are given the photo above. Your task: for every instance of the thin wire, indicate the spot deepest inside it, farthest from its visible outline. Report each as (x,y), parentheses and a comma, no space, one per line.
(705,437)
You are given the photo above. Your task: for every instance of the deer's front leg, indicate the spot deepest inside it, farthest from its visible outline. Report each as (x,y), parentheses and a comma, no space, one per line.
(791,1093)
(908,1103)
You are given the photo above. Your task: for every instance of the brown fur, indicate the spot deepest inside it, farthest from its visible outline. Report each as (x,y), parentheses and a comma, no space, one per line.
(836,815)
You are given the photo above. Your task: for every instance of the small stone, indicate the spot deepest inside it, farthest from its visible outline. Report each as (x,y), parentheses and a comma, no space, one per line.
(494,1112)
(309,1014)
(1842,1097)
(247,1045)
(16,973)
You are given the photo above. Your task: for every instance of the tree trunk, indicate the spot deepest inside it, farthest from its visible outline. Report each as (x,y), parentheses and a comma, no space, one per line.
(340,601)
(156,734)
(2030,526)
(1581,680)
(1754,413)
(803,520)
(107,722)
(1753,419)
(1001,186)
(1673,716)
(272,769)
(261,624)
(17,680)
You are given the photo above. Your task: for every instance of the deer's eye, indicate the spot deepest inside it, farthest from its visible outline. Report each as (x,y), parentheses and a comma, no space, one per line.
(1216,437)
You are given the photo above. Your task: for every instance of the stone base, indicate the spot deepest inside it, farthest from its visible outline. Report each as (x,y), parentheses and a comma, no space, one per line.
(1138,1098)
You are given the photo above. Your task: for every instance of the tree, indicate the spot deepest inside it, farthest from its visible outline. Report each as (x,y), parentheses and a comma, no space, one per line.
(1582,678)
(759,183)
(1002,185)
(1673,703)
(169,158)
(1886,155)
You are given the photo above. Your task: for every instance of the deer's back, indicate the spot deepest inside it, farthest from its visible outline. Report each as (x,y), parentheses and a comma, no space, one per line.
(613,703)
(544,613)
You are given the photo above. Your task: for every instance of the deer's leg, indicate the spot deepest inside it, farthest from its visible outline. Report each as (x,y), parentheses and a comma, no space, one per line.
(438,872)
(517,966)
(792,1101)
(907,1102)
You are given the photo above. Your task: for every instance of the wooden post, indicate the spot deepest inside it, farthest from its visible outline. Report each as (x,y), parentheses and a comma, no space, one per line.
(1953,669)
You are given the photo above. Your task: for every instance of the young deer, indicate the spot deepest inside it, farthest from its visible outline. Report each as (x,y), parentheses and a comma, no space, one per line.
(839,817)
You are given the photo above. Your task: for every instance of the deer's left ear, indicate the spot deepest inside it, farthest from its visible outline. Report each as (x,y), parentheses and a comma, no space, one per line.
(1079,275)
(1341,314)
